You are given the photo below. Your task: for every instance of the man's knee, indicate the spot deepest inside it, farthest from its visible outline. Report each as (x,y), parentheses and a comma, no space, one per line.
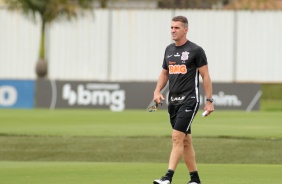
(177,137)
(187,141)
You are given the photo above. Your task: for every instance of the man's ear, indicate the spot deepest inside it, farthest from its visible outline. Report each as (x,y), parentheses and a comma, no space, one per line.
(186,30)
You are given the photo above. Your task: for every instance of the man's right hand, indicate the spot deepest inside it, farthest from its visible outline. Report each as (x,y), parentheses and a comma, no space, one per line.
(158,97)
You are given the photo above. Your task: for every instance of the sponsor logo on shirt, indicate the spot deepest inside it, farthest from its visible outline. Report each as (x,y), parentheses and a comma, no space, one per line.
(177,69)
(169,56)
(177,55)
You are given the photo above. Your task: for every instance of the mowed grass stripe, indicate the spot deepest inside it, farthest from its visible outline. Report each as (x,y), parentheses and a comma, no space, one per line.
(137,149)
(136,123)
(128,173)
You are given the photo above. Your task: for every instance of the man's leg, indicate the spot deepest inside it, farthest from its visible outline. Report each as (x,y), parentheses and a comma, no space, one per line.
(189,154)
(175,156)
(190,159)
(177,149)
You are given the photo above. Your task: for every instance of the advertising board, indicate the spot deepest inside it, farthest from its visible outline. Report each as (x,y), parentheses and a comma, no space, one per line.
(118,96)
(16,93)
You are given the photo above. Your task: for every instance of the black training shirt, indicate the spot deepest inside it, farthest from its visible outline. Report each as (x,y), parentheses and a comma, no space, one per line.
(183,62)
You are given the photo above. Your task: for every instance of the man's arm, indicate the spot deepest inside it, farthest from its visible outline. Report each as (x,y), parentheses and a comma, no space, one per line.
(158,97)
(204,71)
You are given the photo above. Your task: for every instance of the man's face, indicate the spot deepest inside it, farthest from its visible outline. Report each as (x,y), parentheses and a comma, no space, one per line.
(178,30)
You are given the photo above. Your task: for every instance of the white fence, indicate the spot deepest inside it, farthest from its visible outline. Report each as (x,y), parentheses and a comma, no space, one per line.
(128,45)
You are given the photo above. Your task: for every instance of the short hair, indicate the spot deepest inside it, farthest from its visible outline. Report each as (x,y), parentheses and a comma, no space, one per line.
(182,19)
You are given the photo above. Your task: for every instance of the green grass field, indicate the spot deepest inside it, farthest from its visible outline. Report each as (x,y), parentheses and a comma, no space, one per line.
(128,173)
(99,146)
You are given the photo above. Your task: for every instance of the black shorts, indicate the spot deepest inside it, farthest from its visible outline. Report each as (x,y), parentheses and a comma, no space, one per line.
(181,116)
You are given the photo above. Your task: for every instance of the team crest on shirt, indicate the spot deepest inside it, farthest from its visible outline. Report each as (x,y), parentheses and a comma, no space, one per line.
(185,55)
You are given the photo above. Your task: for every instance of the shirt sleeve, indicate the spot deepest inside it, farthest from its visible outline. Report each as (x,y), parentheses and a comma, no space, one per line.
(201,58)
(164,62)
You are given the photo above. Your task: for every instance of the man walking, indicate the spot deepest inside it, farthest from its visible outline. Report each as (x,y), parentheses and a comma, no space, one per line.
(183,62)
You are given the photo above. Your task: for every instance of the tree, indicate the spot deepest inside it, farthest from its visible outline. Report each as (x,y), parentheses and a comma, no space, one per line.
(189,4)
(254,5)
(49,11)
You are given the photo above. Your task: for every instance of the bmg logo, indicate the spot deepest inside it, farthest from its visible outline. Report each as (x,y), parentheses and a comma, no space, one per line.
(95,94)
(8,96)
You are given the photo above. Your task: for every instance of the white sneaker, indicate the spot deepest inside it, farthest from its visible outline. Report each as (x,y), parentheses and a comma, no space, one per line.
(192,182)
(163,180)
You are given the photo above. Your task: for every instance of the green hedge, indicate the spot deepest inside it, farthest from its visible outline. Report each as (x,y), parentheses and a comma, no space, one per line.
(271,99)
(272,91)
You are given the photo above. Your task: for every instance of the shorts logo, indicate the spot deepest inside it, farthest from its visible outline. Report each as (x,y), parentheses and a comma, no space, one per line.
(185,55)
(177,98)
(177,69)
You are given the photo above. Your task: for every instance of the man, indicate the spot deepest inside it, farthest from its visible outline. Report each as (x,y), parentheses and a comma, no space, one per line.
(182,64)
